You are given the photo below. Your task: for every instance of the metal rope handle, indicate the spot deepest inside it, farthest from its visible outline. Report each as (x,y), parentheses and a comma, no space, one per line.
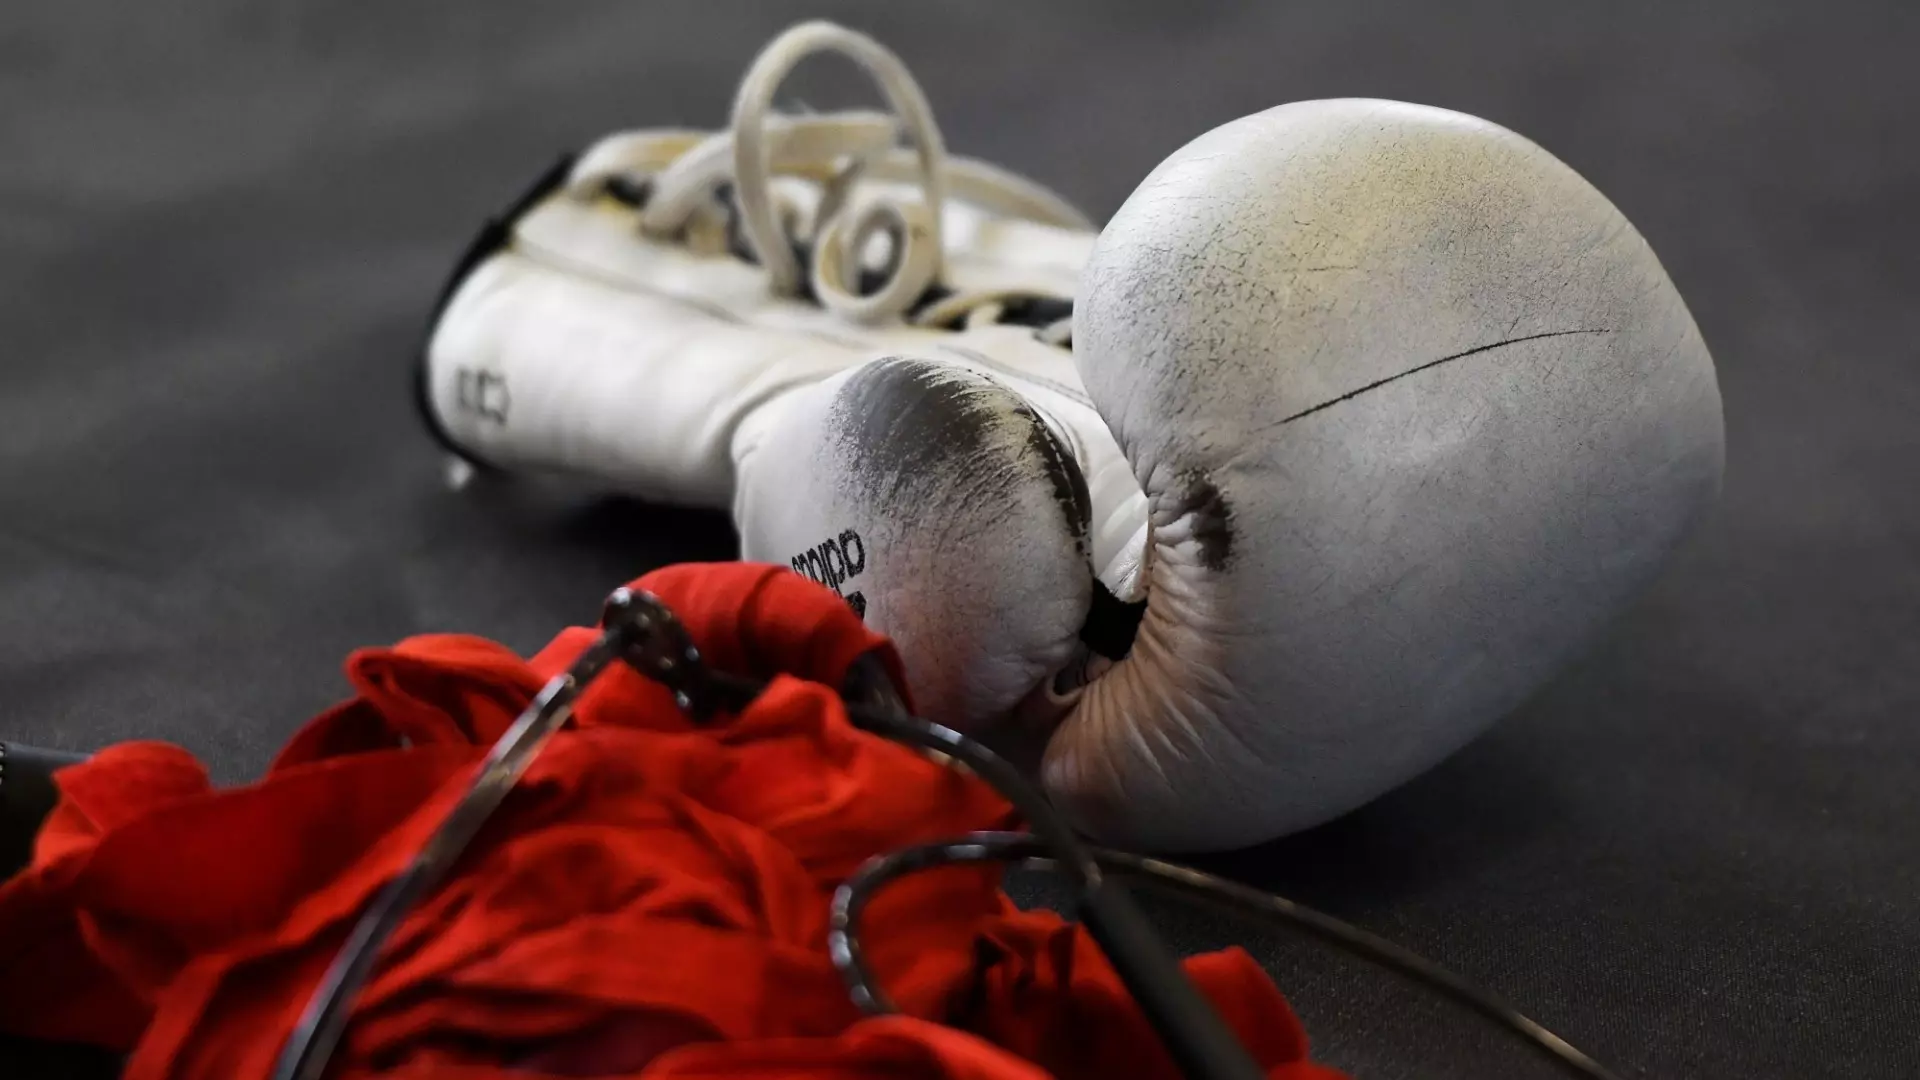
(641,632)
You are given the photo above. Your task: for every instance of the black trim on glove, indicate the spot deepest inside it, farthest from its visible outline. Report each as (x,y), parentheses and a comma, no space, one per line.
(1112,623)
(493,236)
(27,796)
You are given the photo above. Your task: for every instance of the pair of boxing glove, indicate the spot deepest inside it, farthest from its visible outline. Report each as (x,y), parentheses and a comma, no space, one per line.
(1348,430)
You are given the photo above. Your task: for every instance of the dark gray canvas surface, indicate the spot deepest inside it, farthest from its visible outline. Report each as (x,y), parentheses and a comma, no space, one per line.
(1697,854)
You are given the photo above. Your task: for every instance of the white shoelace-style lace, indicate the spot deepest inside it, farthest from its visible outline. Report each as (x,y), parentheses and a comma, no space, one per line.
(687,174)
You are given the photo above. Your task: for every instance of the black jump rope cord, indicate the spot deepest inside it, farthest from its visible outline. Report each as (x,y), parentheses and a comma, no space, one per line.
(642,633)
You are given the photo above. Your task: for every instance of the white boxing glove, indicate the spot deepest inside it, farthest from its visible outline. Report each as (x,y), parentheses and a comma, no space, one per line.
(1369,416)
(1416,410)
(921,445)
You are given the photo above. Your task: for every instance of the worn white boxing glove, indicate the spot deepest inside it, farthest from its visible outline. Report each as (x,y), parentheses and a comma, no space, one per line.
(1407,410)
(1416,410)
(859,350)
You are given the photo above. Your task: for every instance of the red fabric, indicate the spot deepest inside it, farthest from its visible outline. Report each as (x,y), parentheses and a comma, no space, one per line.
(651,900)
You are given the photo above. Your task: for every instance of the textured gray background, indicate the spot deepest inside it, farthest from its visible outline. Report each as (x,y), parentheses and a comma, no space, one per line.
(222,223)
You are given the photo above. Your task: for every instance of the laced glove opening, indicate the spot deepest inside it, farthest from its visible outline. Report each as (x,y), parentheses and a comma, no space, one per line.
(867,255)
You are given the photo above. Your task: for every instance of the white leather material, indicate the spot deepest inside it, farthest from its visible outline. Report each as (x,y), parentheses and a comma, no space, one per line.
(934,497)
(637,363)
(587,348)
(537,368)
(1417,411)
(1408,412)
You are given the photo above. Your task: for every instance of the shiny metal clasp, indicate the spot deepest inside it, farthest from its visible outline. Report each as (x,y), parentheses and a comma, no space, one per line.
(655,643)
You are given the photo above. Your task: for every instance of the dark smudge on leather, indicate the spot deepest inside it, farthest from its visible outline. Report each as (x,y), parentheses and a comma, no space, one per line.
(907,421)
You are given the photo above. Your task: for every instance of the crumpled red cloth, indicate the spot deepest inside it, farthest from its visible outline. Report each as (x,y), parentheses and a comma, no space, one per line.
(650,902)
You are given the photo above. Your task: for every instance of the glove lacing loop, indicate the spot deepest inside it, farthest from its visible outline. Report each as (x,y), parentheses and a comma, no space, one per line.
(686,175)
(915,230)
